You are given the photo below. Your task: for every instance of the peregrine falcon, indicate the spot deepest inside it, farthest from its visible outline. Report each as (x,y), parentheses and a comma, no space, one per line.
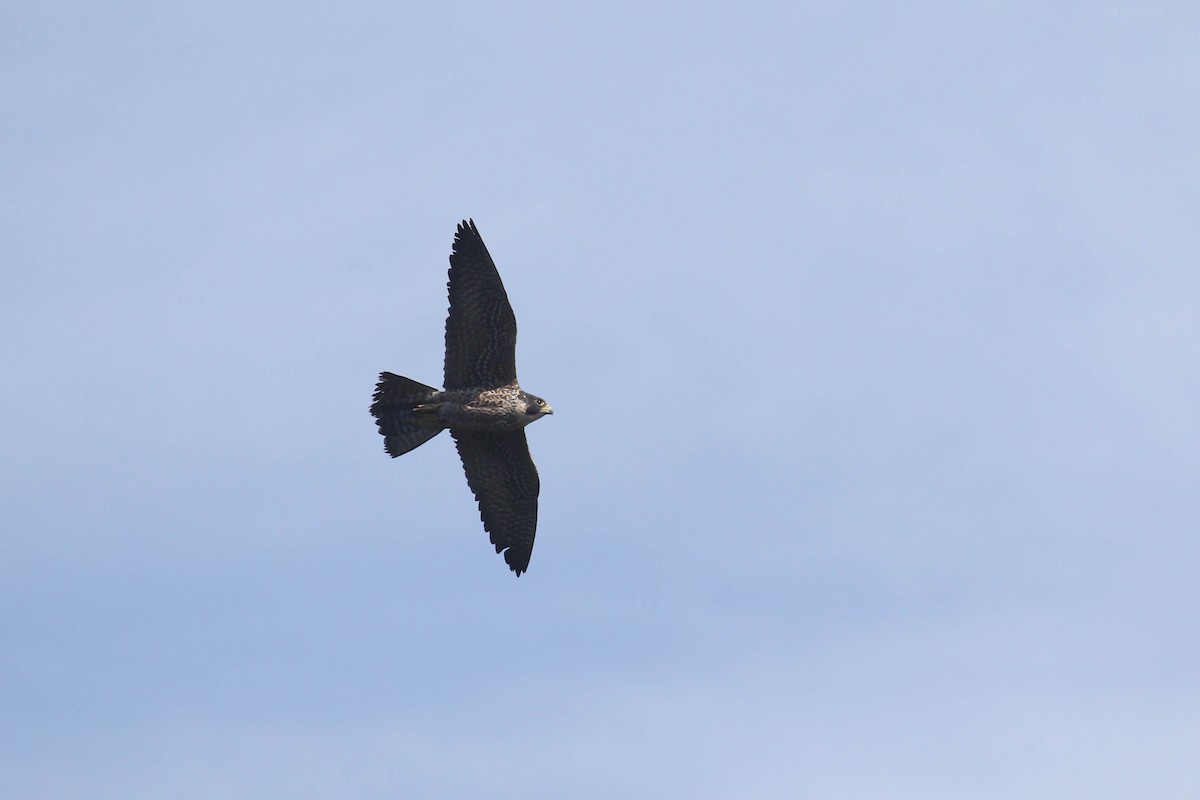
(482,405)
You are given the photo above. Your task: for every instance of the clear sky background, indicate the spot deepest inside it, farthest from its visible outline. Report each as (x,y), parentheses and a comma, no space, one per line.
(872,333)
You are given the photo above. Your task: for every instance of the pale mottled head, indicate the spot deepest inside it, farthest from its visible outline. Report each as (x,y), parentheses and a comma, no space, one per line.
(533,407)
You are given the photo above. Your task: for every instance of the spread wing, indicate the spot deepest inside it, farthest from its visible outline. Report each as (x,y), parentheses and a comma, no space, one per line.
(481,330)
(505,482)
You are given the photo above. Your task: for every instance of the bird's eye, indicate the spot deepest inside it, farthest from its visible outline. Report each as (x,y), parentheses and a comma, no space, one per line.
(541,402)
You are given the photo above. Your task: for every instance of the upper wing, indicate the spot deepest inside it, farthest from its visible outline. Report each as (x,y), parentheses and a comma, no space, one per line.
(505,482)
(481,330)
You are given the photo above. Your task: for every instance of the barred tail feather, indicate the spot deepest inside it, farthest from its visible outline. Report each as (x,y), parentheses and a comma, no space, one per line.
(394,408)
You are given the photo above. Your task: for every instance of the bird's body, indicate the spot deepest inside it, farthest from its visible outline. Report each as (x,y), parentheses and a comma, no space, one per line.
(482,406)
(506,408)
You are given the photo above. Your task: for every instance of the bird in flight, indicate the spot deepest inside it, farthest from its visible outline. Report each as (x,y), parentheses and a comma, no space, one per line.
(482,404)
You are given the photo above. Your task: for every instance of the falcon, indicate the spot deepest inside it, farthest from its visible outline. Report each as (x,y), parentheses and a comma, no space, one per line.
(482,405)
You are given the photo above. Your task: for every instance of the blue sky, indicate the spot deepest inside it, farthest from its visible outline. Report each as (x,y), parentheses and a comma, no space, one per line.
(871,334)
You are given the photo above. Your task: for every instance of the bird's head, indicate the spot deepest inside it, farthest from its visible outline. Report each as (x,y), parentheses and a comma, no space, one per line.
(534,407)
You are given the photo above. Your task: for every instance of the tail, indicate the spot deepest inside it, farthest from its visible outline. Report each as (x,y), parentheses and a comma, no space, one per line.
(404,426)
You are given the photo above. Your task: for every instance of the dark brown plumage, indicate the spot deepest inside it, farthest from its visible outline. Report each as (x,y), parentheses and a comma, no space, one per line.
(483,406)
(481,329)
